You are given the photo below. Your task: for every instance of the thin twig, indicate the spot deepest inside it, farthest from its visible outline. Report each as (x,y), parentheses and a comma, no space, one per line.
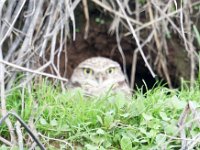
(86,13)
(19,135)
(24,125)
(181,123)
(116,13)
(133,69)
(146,25)
(6,142)
(15,19)
(137,41)
(159,47)
(3,100)
(59,140)
(33,71)
(122,53)
(193,142)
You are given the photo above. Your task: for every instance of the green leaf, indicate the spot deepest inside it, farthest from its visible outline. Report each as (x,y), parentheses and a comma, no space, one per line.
(125,115)
(53,122)
(137,107)
(107,143)
(100,131)
(176,103)
(142,130)
(91,147)
(102,148)
(102,21)
(117,137)
(99,119)
(97,139)
(147,117)
(97,20)
(43,121)
(170,128)
(108,120)
(164,117)
(120,100)
(126,143)
(154,124)
(151,134)
(160,139)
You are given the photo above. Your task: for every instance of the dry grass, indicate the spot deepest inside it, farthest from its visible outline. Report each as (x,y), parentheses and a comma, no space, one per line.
(30,29)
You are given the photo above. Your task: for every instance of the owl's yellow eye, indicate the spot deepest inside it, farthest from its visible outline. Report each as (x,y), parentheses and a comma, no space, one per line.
(110,70)
(88,71)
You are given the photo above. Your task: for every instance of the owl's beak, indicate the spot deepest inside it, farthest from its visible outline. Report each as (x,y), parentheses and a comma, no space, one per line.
(99,79)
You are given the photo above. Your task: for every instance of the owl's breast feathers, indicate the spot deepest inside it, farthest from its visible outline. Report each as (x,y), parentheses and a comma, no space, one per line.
(120,86)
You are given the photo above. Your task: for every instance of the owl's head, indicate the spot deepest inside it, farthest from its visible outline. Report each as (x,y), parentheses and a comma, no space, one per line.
(97,74)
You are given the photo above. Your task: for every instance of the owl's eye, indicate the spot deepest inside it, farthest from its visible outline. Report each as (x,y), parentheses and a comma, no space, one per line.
(88,71)
(110,70)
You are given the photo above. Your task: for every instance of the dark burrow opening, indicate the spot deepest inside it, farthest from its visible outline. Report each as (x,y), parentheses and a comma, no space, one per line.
(102,43)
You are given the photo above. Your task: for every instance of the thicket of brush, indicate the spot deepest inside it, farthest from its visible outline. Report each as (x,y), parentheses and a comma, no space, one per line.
(30,29)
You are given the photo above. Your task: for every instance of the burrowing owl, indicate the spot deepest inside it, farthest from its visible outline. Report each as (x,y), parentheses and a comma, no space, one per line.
(97,75)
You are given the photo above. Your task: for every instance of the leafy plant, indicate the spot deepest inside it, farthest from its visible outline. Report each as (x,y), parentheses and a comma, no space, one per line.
(69,119)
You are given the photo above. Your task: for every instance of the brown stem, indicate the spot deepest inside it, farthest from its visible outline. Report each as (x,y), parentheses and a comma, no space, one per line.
(3,101)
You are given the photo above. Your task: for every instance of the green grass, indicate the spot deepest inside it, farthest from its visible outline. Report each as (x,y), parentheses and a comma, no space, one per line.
(68,119)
